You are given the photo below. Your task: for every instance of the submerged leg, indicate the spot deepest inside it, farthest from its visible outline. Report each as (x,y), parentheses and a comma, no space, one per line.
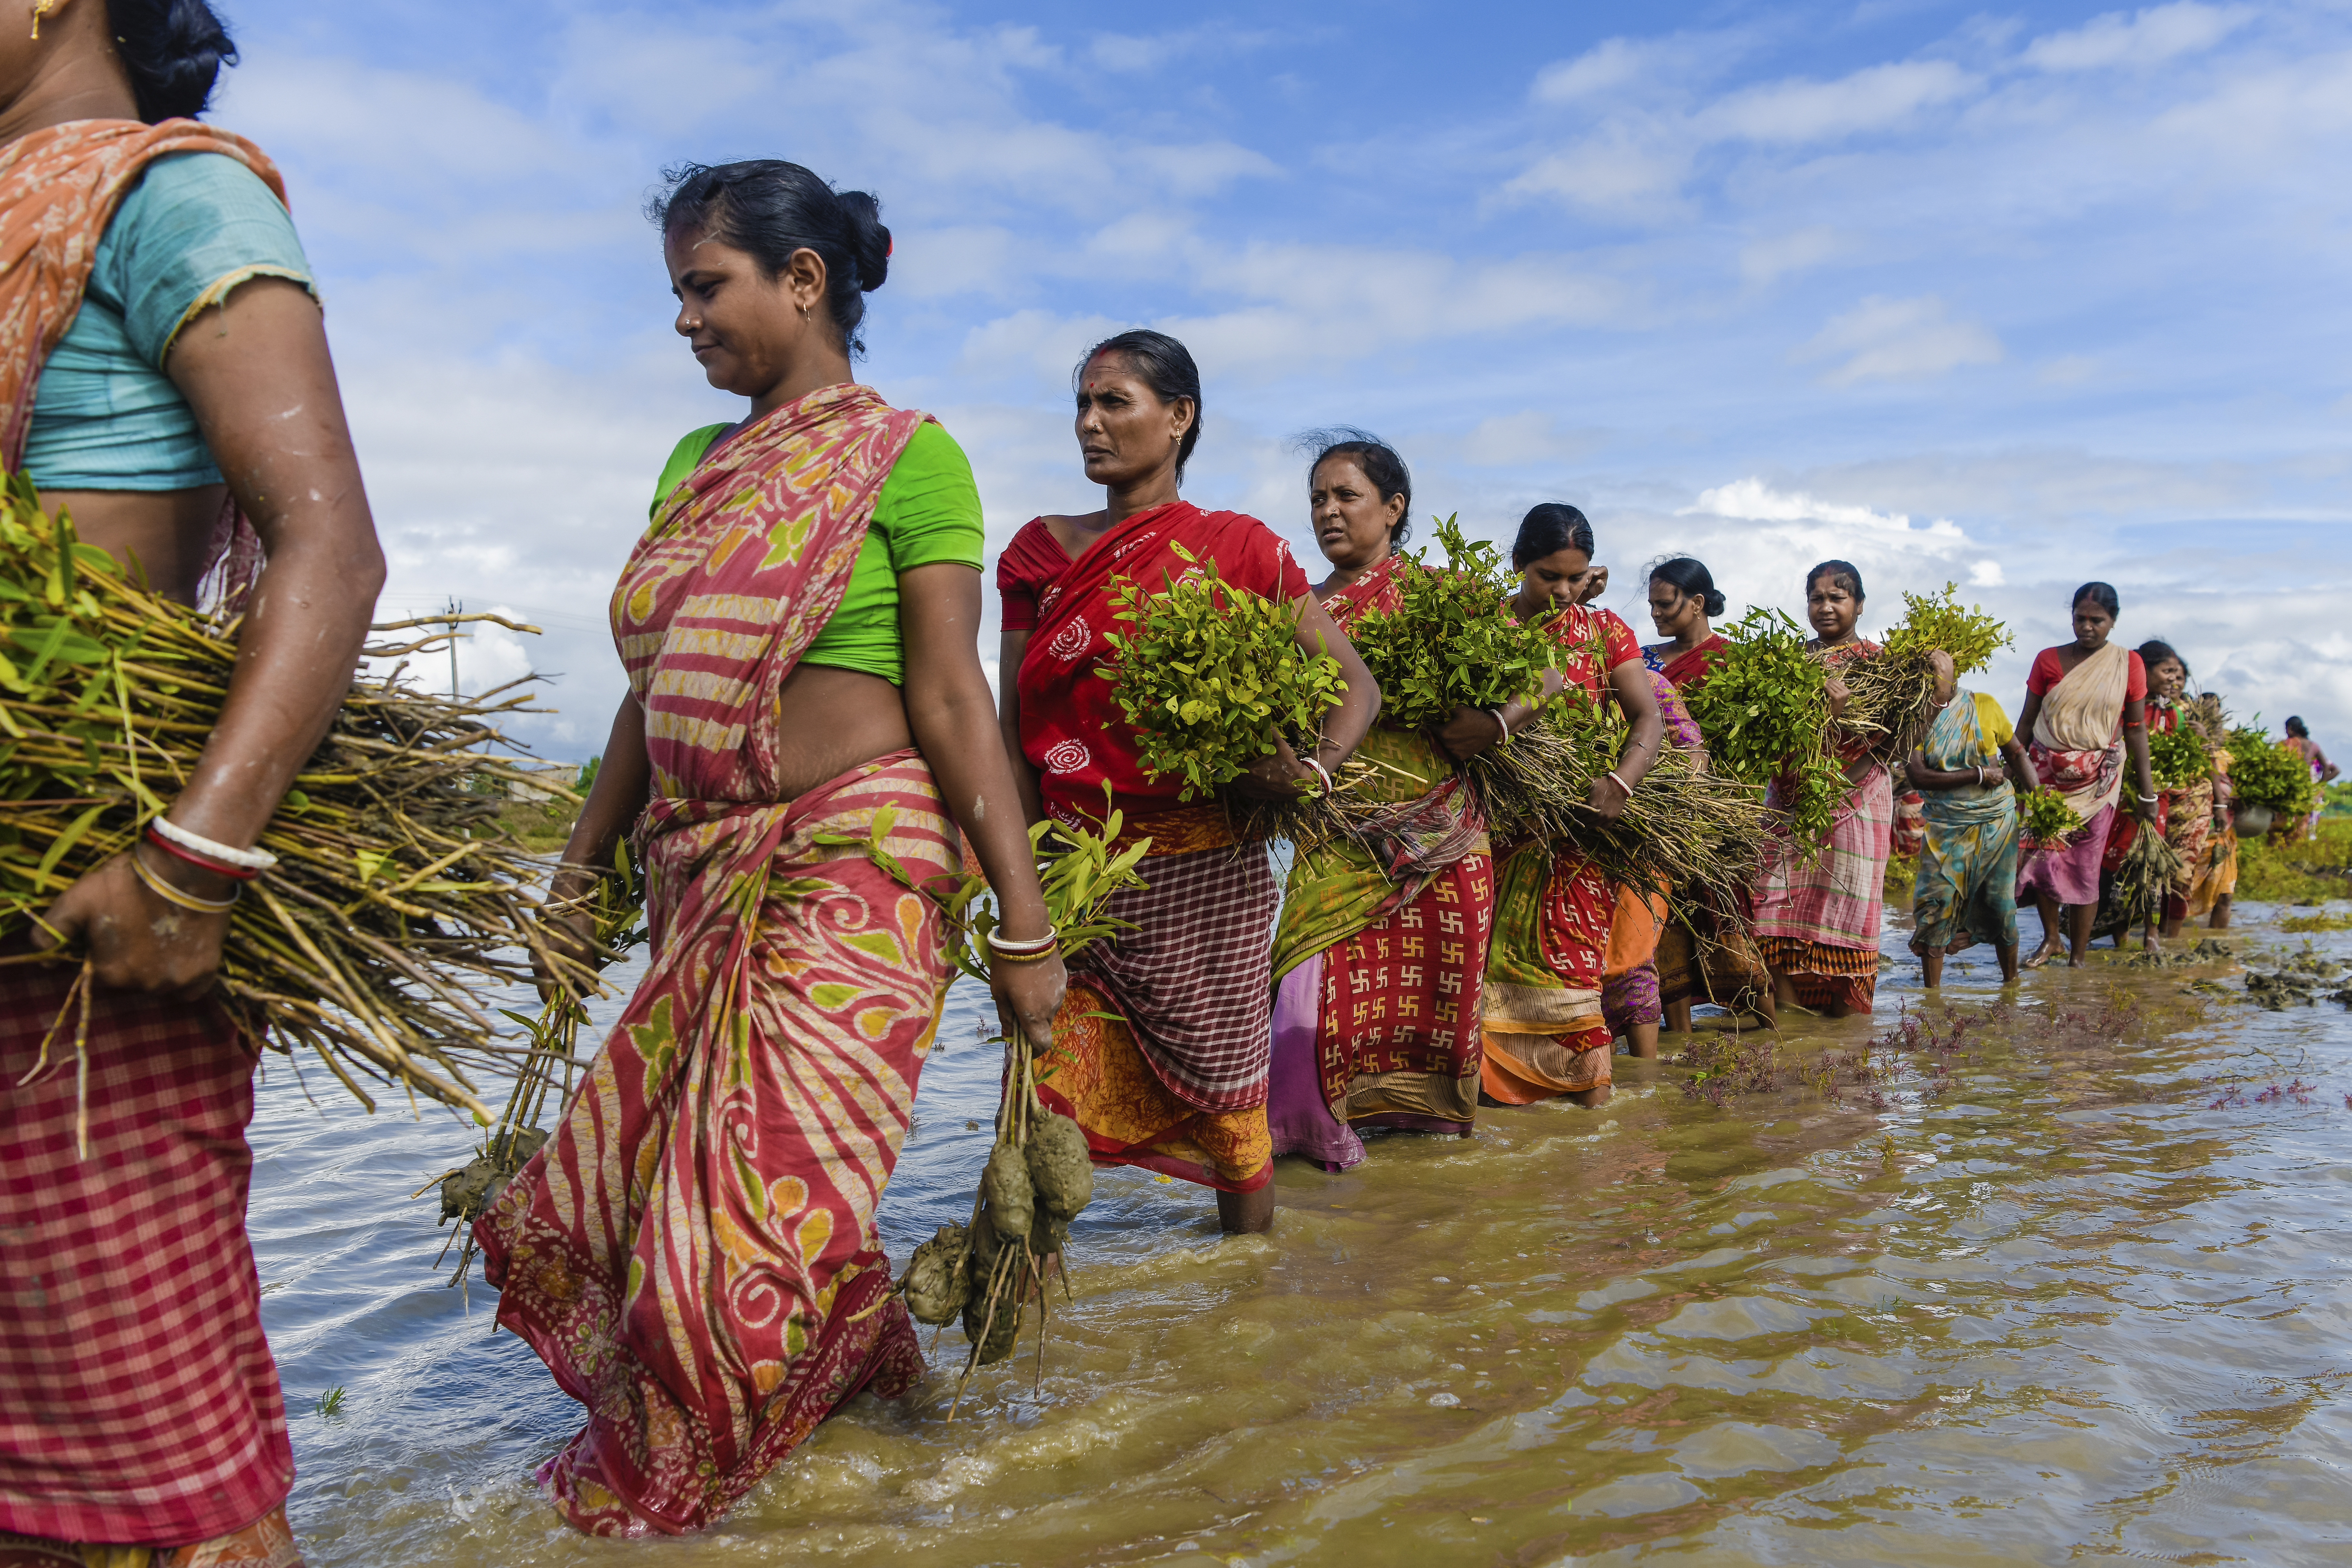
(1677,1016)
(2221,921)
(2047,902)
(1641,1039)
(1931,963)
(2080,918)
(2007,951)
(1246,1212)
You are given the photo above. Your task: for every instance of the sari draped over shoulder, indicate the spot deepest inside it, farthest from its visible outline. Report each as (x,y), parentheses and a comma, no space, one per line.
(1967,890)
(1379,951)
(2186,815)
(2077,748)
(1160,1051)
(1687,670)
(1817,922)
(693,1253)
(141,1403)
(58,189)
(1543,1033)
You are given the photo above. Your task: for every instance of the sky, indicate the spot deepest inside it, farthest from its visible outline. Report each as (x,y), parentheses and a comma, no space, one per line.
(2008,297)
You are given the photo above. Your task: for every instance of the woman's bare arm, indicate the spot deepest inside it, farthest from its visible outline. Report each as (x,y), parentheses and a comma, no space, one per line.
(259,376)
(956,726)
(1630,684)
(1011,647)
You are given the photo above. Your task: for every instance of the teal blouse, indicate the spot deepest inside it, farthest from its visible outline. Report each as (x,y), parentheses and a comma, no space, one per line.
(105,416)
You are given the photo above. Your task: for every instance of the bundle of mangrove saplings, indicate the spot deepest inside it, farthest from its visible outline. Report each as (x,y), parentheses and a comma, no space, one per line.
(2179,759)
(2263,772)
(394,903)
(1210,674)
(1701,830)
(2044,820)
(1765,713)
(1039,1175)
(616,902)
(1887,695)
(1451,642)
(2143,878)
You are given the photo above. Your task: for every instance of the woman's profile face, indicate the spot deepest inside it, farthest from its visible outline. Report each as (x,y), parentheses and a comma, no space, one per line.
(745,327)
(2167,679)
(1125,431)
(1352,523)
(1672,611)
(2092,624)
(1830,606)
(1552,582)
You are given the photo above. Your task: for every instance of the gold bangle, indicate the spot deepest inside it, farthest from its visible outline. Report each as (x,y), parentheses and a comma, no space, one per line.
(170,894)
(1039,957)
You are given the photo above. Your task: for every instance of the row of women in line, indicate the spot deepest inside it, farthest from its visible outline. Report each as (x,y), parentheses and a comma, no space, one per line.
(694,1252)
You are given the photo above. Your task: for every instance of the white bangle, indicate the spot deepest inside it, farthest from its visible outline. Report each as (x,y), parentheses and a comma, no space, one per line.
(1329,787)
(1014,949)
(246,860)
(1501,723)
(1612,776)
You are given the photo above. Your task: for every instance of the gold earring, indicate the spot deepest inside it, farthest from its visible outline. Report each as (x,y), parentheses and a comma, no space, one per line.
(40,9)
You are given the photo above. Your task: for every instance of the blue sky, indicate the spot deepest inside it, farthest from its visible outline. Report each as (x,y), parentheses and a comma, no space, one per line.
(2015,298)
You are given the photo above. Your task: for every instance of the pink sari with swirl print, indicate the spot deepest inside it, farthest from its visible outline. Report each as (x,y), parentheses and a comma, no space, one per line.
(691,1251)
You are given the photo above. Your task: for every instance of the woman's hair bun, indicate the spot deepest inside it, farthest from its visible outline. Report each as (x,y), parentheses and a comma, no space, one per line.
(173,50)
(869,241)
(1690,578)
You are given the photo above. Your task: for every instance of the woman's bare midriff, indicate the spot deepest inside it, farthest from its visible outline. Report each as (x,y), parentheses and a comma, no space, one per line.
(167,531)
(830,721)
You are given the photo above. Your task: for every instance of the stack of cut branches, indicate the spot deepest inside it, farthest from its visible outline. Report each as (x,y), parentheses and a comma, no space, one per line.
(396,902)
(1888,694)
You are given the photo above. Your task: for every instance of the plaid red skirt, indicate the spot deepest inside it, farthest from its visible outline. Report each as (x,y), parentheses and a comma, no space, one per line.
(139,1405)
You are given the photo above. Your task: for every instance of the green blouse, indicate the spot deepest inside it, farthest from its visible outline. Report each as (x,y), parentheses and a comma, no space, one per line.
(928,511)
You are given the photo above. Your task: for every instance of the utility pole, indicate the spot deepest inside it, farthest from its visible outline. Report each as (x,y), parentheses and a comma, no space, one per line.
(457,606)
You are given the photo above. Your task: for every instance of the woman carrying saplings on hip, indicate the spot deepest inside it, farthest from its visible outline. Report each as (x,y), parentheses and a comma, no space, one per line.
(1162,1052)
(1543,1030)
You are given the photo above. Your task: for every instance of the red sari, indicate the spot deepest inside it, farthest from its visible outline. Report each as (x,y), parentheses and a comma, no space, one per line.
(693,1253)
(141,1407)
(1687,671)
(1544,1034)
(1161,1050)
(1379,956)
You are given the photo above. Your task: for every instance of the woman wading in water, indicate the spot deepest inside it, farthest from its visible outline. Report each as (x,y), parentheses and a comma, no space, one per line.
(1817,923)
(1162,1051)
(164,380)
(1379,952)
(2084,710)
(1544,1034)
(693,1253)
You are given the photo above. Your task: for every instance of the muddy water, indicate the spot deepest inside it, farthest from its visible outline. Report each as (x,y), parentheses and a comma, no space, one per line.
(2039,1298)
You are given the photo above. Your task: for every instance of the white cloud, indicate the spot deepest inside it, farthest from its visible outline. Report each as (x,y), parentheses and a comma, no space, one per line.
(1899,340)
(1874,99)
(2144,38)
(1766,261)
(2067,370)
(1616,171)
(1756,499)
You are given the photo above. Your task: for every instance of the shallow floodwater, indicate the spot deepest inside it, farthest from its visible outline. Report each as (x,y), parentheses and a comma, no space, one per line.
(2075,1292)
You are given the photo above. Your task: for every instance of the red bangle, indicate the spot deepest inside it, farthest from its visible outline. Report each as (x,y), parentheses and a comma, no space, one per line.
(234,873)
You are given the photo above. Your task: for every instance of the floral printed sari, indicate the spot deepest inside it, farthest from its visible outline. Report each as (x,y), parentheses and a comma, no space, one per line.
(693,1253)
(1967,890)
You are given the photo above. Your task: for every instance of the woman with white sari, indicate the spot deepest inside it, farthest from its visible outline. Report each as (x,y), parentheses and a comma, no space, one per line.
(2085,707)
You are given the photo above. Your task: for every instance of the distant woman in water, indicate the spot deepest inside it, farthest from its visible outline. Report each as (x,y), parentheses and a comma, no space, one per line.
(1545,1036)
(2086,712)
(1817,919)
(1380,950)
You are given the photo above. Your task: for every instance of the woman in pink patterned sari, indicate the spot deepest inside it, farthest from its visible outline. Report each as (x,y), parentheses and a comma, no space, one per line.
(693,1253)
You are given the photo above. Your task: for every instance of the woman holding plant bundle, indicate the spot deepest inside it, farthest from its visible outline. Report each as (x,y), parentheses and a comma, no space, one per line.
(1966,771)
(2084,710)
(2184,791)
(1161,1052)
(1817,921)
(1543,1031)
(1382,939)
(164,380)
(693,1253)
(1703,951)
